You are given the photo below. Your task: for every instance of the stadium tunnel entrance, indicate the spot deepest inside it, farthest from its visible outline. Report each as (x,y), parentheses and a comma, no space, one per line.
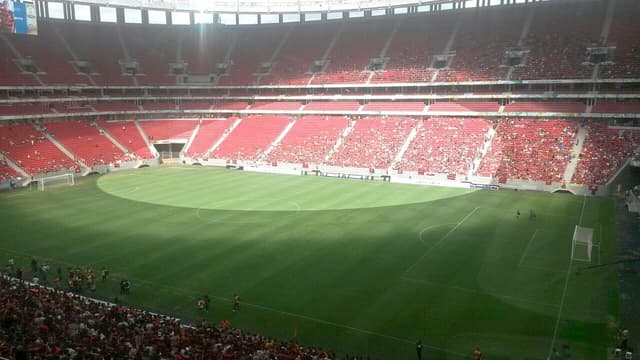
(563,191)
(169,152)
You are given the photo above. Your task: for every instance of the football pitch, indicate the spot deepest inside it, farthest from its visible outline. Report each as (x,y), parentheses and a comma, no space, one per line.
(360,267)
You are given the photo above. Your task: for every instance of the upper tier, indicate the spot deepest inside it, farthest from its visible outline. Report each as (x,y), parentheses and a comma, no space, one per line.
(459,45)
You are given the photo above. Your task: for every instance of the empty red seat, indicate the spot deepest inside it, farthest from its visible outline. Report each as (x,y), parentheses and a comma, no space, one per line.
(251,137)
(127,134)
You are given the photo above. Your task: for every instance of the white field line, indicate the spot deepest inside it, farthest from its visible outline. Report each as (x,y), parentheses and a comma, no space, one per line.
(442,239)
(524,254)
(177,290)
(429,228)
(564,290)
(480,292)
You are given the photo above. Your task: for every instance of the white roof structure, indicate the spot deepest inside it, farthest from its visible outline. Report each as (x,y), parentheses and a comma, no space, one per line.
(257,6)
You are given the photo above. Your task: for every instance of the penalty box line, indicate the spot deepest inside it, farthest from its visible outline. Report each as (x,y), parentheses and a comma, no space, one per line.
(526,249)
(439,242)
(180,291)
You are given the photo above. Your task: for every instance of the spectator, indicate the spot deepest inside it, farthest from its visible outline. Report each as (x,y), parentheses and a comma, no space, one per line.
(45,323)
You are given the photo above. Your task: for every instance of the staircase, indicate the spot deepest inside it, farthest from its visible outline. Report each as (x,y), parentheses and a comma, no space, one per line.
(491,133)
(111,138)
(606,25)
(17,55)
(604,32)
(231,49)
(71,53)
(222,138)
(329,49)
(125,52)
(277,141)
(190,141)
(447,48)
(340,140)
(405,146)
(385,49)
(13,165)
(523,35)
(146,139)
(577,150)
(276,52)
(54,141)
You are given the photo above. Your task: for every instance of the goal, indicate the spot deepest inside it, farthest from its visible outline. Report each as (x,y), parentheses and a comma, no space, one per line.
(582,244)
(47,181)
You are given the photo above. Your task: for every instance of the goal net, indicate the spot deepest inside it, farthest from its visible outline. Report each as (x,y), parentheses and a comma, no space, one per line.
(48,181)
(582,244)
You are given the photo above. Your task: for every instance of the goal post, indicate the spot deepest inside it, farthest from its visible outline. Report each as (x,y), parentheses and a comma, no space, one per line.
(582,244)
(47,181)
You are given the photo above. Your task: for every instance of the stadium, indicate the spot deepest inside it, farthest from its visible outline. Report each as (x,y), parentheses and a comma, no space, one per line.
(327,179)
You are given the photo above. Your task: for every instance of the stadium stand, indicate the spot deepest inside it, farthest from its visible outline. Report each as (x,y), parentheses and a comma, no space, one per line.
(252,48)
(445,146)
(309,140)
(230,105)
(530,149)
(10,73)
(179,130)
(558,39)
(556,49)
(412,49)
(97,44)
(116,106)
(604,150)
(195,105)
(616,107)
(251,137)
(373,143)
(24,109)
(483,106)
(126,133)
(159,105)
(41,323)
(31,150)
(85,142)
(358,42)
(276,105)
(306,44)
(545,106)
(153,50)
(210,131)
(6,172)
(71,108)
(624,35)
(480,54)
(333,105)
(394,106)
(556,45)
(209,49)
(52,62)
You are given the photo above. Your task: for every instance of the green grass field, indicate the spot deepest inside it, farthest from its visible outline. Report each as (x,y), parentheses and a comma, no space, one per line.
(360,267)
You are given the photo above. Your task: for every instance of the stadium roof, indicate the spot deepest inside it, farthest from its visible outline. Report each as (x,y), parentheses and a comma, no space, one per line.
(261,6)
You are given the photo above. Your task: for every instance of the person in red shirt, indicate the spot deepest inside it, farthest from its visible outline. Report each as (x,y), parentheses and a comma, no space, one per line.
(6,18)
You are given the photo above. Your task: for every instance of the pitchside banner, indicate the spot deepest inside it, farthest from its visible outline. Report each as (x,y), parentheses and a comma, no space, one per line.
(18,18)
